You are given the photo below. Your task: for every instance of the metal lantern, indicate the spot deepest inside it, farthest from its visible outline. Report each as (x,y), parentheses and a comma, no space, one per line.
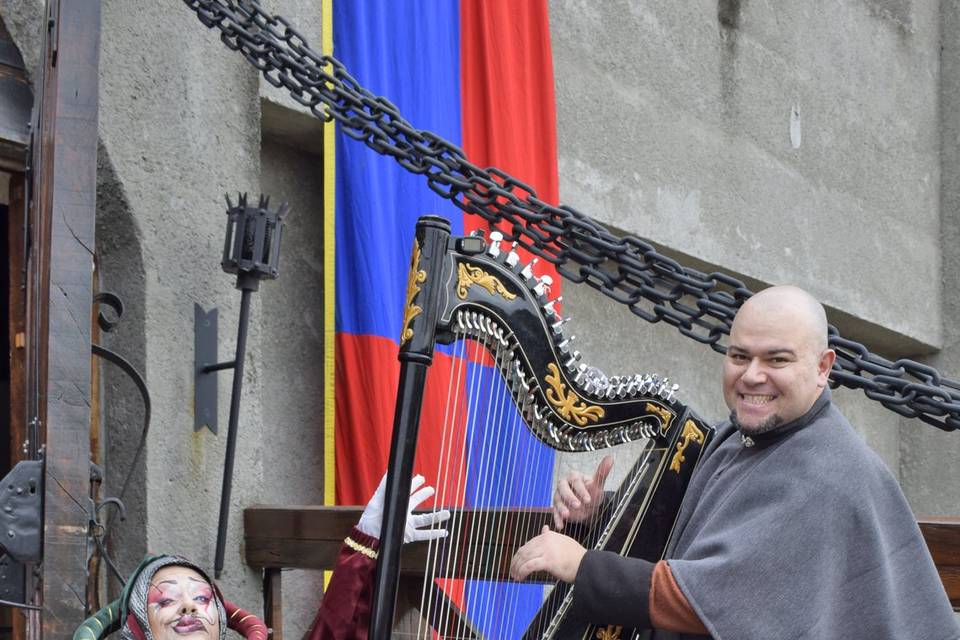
(252,251)
(252,245)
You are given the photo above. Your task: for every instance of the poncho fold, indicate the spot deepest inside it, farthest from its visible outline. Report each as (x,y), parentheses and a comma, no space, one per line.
(804,535)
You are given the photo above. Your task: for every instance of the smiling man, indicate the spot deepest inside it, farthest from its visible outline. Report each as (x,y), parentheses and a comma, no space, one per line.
(791,527)
(777,361)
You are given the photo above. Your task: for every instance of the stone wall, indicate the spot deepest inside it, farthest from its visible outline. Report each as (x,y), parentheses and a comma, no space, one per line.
(790,144)
(813,143)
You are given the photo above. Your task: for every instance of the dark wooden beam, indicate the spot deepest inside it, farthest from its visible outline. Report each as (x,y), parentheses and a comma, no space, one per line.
(273,603)
(310,538)
(17,327)
(943,539)
(65,168)
(17,336)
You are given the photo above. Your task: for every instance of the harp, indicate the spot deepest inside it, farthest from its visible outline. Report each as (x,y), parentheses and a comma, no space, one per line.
(473,290)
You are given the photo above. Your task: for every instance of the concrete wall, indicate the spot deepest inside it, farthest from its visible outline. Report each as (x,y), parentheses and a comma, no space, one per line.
(930,458)
(292,355)
(786,142)
(789,143)
(179,127)
(812,143)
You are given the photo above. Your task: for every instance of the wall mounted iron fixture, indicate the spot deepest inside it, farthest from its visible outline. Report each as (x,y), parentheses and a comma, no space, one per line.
(251,250)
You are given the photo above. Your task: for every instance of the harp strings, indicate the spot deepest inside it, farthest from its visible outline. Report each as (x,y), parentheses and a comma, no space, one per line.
(487,463)
(487,455)
(430,599)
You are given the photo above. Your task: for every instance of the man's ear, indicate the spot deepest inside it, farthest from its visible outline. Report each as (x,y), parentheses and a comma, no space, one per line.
(824,366)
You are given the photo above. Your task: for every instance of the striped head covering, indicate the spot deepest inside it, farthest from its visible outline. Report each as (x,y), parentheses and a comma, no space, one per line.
(135,624)
(128,613)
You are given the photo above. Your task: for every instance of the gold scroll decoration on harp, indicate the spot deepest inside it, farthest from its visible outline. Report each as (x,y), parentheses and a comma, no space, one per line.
(469,275)
(666,416)
(690,433)
(610,632)
(567,403)
(415,278)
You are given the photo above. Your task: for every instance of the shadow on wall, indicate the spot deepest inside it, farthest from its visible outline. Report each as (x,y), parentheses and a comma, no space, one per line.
(729,18)
(120,270)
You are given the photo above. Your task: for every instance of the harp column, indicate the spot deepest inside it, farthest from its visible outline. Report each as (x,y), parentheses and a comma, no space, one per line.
(424,285)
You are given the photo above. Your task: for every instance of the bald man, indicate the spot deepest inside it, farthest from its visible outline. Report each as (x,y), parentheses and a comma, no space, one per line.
(791,527)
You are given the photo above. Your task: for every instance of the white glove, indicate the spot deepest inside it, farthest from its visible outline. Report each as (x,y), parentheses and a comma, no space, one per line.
(418,527)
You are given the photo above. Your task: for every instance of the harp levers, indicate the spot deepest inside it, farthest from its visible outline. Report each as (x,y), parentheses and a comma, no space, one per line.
(514,394)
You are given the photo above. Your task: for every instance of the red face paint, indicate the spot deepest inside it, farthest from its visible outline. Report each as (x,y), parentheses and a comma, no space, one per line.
(181,606)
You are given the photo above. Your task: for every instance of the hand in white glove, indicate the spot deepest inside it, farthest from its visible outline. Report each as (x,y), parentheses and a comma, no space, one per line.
(418,526)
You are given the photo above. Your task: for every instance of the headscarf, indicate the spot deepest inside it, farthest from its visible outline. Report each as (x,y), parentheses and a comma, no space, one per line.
(130,609)
(135,624)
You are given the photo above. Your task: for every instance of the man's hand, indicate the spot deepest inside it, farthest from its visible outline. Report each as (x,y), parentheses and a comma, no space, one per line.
(418,526)
(578,496)
(553,552)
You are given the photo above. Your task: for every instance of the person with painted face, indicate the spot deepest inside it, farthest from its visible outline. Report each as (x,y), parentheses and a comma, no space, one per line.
(167,598)
(171,598)
(791,526)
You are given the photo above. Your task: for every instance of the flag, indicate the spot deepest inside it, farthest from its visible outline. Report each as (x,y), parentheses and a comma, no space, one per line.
(479,74)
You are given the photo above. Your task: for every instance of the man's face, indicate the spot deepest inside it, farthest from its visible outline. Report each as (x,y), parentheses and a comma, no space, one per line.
(773,371)
(181,606)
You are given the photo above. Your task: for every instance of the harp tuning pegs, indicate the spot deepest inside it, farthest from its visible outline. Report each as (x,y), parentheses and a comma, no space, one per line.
(557,327)
(671,392)
(493,250)
(548,307)
(513,257)
(542,288)
(527,271)
(644,385)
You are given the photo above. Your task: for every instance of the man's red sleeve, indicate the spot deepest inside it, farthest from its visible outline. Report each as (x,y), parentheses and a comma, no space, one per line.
(344,612)
(669,608)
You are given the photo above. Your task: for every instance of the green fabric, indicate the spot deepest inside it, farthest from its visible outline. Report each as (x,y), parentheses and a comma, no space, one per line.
(101,624)
(111,617)
(125,594)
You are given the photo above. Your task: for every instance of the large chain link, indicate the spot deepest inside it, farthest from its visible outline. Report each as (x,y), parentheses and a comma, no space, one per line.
(628,269)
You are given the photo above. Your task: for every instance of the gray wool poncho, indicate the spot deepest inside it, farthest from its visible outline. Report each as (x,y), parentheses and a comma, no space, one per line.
(804,536)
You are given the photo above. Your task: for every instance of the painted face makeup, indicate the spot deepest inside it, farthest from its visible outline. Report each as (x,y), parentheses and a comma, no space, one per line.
(181,605)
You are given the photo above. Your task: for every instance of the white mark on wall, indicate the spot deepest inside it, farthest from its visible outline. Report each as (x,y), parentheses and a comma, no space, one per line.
(681,207)
(795,126)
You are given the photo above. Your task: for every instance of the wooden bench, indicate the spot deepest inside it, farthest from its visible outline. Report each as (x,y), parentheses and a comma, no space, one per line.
(278,538)
(943,539)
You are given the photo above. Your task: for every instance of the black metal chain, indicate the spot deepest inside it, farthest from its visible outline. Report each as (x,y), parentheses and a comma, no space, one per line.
(628,269)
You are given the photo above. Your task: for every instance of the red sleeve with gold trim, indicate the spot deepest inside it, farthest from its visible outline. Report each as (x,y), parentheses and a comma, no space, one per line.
(344,612)
(243,622)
